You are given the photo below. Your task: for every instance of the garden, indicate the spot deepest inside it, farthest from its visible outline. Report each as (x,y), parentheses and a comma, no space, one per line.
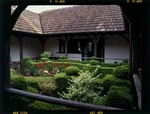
(89,81)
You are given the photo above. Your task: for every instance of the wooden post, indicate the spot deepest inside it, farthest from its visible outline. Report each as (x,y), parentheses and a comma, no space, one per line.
(66,40)
(21,47)
(95,40)
(4,55)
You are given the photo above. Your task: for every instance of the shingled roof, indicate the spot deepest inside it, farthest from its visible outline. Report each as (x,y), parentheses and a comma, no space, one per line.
(77,19)
(28,22)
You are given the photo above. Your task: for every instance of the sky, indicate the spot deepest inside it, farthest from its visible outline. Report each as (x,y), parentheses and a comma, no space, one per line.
(41,8)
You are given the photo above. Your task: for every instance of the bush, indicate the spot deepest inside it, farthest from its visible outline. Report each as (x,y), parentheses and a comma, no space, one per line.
(72,70)
(122,72)
(18,103)
(89,67)
(94,62)
(61,84)
(102,71)
(109,64)
(26,58)
(119,97)
(82,88)
(47,87)
(33,84)
(46,54)
(64,57)
(32,90)
(94,58)
(41,106)
(109,81)
(19,83)
(43,59)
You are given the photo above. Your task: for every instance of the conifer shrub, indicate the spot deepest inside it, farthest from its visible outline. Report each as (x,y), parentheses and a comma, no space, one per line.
(83,88)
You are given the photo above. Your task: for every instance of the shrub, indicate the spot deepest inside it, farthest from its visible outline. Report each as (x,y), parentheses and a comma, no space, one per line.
(46,54)
(32,90)
(109,64)
(102,71)
(82,88)
(41,106)
(122,72)
(19,83)
(12,72)
(47,87)
(63,57)
(97,71)
(43,59)
(18,103)
(72,70)
(26,58)
(94,62)
(106,70)
(119,97)
(89,67)
(33,84)
(109,81)
(94,58)
(61,84)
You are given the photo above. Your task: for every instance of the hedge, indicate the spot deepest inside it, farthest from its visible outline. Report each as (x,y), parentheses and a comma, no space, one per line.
(122,72)
(43,106)
(62,83)
(119,97)
(110,80)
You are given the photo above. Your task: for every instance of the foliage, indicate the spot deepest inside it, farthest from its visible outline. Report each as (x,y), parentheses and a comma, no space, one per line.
(94,58)
(89,67)
(26,58)
(19,83)
(44,59)
(12,72)
(109,64)
(46,54)
(72,70)
(32,90)
(122,72)
(63,57)
(82,88)
(61,81)
(39,106)
(94,62)
(18,103)
(47,87)
(119,97)
(110,80)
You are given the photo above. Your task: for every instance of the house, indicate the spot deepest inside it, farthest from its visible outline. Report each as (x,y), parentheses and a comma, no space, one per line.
(77,32)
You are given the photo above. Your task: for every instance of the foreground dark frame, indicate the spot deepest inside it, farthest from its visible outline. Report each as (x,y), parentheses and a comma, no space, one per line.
(7,23)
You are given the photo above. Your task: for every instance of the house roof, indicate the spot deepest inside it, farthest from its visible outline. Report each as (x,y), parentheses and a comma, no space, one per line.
(77,19)
(28,22)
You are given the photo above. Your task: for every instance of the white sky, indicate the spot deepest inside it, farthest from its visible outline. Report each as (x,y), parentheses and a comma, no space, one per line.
(41,8)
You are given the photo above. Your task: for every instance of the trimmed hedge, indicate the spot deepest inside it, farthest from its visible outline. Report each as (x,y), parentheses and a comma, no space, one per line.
(102,71)
(119,97)
(72,71)
(110,80)
(19,83)
(122,72)
(62,83)
(41,106)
